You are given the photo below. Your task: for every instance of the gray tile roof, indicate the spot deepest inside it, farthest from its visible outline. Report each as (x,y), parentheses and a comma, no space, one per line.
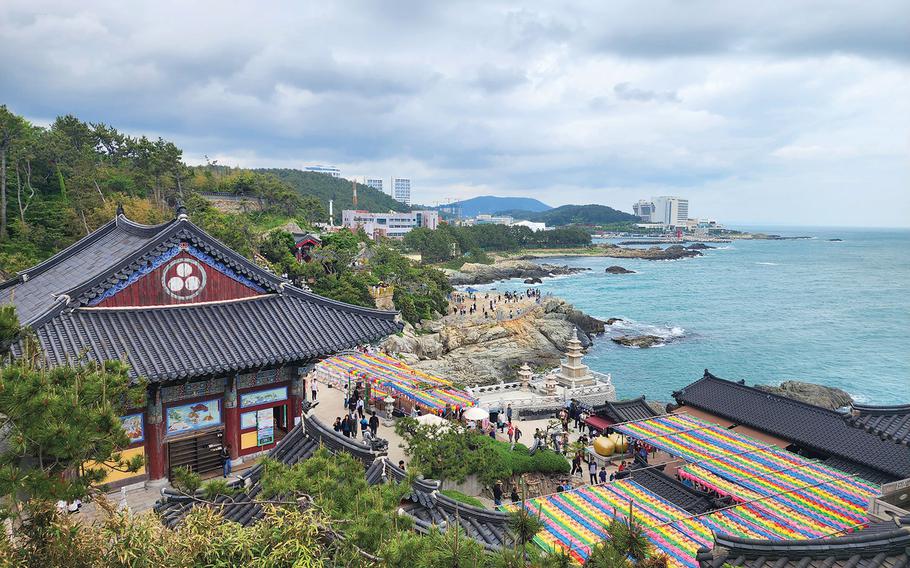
(427,507)
(33,291)
(182,342)
(891,422)
(882,545)
(672,490)
(625,410)
(163,343)
(820,430)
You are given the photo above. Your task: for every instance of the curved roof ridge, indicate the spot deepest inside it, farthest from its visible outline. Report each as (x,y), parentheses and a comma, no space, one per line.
(883,409)
(742,385)
(136,227)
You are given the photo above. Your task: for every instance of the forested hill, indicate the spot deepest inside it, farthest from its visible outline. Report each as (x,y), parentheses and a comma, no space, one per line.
(576,215)
(325,187)
(490,204)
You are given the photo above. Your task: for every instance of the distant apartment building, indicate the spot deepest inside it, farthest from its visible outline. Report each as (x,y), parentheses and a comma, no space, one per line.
(401,190)
(670,211)
(393,225)
(644,210)
(375,183)
(327,170)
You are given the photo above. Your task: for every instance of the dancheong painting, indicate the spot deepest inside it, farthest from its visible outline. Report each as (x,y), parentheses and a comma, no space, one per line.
(193,416)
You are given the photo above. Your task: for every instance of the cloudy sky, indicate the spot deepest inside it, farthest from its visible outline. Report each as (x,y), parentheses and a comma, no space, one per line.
(764,112)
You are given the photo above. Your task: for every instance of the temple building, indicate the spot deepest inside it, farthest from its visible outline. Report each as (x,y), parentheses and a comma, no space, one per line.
(869,442)
(222,343)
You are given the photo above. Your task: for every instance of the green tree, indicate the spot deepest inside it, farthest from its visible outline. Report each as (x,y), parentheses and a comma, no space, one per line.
(60,427)
(11,127)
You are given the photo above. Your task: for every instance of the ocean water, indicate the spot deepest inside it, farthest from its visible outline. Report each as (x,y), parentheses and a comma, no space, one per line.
(836,313)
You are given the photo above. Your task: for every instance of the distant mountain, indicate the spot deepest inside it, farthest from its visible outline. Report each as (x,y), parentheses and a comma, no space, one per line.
(575,215)
(489,204)
(325,187)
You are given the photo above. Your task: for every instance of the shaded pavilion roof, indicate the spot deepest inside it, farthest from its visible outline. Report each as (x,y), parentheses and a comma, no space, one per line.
(890,422)
(281,324)
(815,428)
(625,410)
(881,545)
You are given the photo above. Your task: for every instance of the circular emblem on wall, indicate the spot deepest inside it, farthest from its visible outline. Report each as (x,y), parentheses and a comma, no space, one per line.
(183,278)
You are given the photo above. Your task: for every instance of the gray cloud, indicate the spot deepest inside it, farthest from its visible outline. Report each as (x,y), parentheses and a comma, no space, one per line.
(601,102)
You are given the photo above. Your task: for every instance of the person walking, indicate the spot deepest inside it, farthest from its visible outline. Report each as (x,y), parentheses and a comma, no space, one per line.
(517,437)
(603,474)
(576,464)
(374,423)
(509,413)
(226,459)
(314,388)
(511,433)
(592,471)
(514,496)
(497,493)
(352,420)
(360,407)
(337,425)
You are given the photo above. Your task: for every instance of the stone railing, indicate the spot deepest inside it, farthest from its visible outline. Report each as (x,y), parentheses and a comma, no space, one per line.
(498,387)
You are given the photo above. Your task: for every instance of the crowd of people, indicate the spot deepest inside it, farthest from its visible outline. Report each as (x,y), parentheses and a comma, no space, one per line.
(493,305)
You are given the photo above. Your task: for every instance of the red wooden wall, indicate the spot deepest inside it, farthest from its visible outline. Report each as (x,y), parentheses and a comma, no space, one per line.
(184,275)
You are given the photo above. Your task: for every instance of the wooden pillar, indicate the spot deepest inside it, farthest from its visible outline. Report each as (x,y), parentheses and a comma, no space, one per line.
(231,417)
(154,434)
(296,394)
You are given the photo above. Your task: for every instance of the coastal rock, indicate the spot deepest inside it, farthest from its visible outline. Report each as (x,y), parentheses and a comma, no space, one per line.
(639,341)
(674,252)
(699,246)
(473,351)
(618,270)
(835,240)
(820,395)
(474,273)
(533,281)
(611,321)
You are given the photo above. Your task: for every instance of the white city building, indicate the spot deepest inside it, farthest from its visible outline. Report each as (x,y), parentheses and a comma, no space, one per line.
(327,170)
(644,209)
(401,190)
(375,183)
(485,219)
(671,211)
(393,224)
(531,225)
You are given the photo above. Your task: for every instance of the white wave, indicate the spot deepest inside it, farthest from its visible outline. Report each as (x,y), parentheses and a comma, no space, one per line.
(768,263)
(665,332)
(728,247)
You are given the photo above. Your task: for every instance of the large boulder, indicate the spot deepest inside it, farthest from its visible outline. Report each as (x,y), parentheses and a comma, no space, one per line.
(638,341)
(831,398)
(618,270)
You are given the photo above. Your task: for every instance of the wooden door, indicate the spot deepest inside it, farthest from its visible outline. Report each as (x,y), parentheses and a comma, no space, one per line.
(201,453)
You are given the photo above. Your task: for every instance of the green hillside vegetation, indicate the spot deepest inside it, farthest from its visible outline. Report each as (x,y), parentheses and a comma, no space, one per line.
(324,187)
(454,244)
(66,180)
(590,215)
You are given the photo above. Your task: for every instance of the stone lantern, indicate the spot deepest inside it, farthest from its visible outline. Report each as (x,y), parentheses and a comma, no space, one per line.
(549,385)
(389,406)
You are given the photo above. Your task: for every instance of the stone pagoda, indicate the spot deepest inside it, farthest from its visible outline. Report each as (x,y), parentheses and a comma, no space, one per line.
(573,373)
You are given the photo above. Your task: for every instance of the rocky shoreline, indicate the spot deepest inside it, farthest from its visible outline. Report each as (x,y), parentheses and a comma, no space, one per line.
(474,273)
(477,351)
(831,398)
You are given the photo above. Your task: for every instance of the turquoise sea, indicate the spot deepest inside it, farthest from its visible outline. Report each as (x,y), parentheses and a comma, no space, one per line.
(836,313)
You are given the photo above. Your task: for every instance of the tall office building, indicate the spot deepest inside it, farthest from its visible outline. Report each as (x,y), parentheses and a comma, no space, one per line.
(671,211)
(644,210)
(374,183)
(327,170)
(401,190)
